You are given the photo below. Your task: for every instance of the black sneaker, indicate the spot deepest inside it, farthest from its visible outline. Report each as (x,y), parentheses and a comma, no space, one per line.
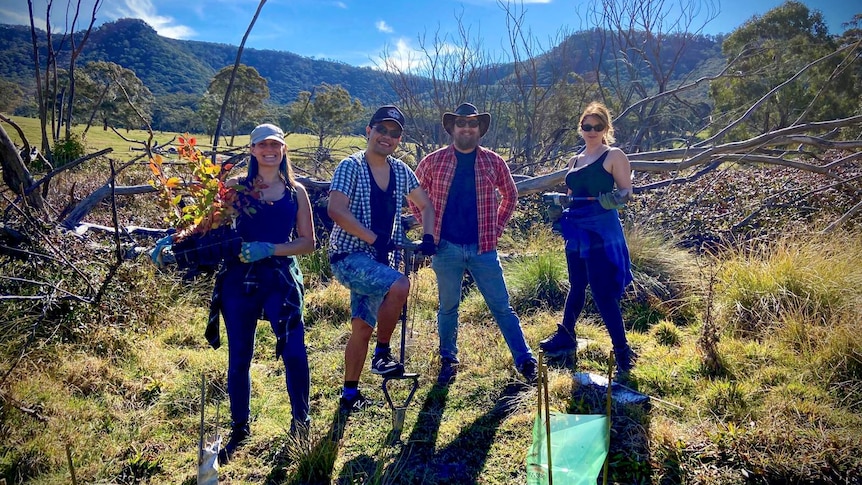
(385,365)
(530,371)
(559,344)
(238,436)
(357,403)
(625,360)
(448,370)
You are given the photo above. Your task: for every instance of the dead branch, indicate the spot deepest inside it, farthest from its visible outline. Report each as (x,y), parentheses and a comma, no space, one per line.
(16,175)
(47,178)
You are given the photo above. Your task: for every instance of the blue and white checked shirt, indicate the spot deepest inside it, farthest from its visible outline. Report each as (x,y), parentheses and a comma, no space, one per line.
(351,178)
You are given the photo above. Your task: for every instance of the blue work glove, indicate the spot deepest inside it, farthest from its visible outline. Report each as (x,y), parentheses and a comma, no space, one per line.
(255,251)
(383,246)
(427,246)
(161,245)
(613,200)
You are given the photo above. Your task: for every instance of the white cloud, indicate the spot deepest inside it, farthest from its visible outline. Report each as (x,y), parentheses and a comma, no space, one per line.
(382,26)
(164,25)
(341,5)
(403,58)
(20,18)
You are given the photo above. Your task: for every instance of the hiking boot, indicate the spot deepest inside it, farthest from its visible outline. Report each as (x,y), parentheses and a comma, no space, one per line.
(385,365)
(357,403)
(238,436)
(625,360)
(448,370)
(559,344)
(530,371)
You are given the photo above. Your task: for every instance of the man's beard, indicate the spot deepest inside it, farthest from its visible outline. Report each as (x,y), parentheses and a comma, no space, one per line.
(466,143)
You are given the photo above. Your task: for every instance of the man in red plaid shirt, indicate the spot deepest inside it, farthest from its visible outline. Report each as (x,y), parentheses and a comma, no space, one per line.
(462,181)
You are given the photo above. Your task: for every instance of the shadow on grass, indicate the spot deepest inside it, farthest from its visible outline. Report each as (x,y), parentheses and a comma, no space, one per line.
(462,460)
(629,452)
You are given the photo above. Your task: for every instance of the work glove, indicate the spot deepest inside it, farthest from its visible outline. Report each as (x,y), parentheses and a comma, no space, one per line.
(383,246)
(613,200)
(161,245)
(427,246)
(255,251)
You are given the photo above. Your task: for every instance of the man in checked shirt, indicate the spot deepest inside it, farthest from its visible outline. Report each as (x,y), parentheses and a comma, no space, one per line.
(462,181)
(365,202)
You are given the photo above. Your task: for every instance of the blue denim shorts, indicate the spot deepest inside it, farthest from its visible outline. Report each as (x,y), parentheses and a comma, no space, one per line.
(368,282)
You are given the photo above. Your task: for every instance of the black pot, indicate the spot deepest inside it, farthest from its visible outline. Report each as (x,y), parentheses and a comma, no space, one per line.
(207,249)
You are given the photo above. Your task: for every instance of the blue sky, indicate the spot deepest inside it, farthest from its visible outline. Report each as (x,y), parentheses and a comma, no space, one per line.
(358,32)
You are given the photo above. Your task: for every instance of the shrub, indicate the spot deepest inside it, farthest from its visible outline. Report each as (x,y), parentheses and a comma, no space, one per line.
(68,150)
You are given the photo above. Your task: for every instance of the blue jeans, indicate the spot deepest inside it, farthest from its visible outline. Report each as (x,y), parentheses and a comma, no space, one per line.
(241,308)
(450,263)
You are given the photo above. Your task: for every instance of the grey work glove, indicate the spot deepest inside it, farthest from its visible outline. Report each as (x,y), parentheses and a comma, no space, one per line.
(614,200)
(162,244)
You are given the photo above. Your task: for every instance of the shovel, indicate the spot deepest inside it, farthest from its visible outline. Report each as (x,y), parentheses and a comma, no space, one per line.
(399,408)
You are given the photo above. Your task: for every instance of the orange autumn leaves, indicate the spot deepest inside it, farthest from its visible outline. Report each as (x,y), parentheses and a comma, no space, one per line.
(198,201)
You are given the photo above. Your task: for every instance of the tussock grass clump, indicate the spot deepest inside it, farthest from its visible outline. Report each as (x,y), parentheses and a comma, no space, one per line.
(538,283)
(814,279)
(665,278)
(666,334)
(331,303)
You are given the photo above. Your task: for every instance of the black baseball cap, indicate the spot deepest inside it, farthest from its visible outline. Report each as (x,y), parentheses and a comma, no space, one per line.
(387,113)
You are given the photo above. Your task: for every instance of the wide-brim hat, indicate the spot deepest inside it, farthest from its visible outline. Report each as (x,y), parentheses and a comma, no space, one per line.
(467,110)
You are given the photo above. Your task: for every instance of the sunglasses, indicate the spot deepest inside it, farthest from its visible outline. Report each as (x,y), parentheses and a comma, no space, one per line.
(391,133)
(599,127)
(472,123)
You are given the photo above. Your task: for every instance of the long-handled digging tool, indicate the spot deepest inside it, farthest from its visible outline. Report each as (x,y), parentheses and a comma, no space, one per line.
(399,408)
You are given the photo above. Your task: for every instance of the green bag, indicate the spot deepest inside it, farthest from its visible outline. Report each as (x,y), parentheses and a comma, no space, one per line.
(579,446)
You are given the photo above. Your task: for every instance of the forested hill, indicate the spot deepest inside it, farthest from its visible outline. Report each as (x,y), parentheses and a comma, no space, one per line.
(181,66)
(169,66)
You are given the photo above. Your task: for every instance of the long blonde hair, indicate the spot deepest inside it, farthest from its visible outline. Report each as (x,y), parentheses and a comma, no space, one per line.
(602,112)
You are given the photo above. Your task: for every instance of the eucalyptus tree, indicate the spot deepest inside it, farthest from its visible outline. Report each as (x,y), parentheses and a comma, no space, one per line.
(327,112)
(247,97)
(788,47)
(113,95)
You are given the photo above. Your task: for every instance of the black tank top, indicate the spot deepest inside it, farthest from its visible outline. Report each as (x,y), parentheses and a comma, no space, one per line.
(589,181)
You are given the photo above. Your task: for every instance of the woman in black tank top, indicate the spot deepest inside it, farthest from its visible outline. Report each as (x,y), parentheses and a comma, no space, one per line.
(599,182)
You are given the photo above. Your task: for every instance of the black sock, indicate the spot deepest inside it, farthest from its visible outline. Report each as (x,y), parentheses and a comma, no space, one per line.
(381,349)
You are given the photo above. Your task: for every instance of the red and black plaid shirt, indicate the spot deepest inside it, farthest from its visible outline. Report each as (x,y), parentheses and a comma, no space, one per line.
(435,173)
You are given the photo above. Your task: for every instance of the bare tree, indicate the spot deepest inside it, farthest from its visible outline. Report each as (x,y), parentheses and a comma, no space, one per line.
(49,93)
(444,72)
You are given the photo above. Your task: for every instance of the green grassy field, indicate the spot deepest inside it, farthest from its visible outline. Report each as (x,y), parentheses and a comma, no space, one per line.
(129,144)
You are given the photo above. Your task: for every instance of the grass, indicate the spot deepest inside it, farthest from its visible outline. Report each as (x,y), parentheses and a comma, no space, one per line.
(302,146)
(125,397)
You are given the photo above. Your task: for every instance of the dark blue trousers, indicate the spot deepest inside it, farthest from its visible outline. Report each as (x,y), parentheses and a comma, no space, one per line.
(243,304)
(595,271)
